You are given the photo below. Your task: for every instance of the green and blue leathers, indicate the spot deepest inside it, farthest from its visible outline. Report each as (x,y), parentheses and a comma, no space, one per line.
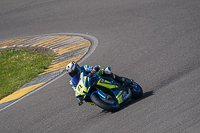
(102,91)
(86,69)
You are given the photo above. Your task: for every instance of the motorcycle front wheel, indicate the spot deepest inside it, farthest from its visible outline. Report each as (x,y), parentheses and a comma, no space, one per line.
(106,104)
(136,90)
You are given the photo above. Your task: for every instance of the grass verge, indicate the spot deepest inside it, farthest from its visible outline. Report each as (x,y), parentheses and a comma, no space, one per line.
(18,67)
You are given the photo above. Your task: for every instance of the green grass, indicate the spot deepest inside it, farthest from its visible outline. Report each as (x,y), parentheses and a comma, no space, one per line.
(18,67)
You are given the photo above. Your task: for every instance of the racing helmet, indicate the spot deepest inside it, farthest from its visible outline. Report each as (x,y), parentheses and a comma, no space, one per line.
(73,69)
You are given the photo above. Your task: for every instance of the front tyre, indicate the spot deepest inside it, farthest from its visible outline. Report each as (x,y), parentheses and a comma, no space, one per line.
(108,105)
(136,90)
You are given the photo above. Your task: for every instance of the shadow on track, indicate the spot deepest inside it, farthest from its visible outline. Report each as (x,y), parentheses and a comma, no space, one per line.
(130,101)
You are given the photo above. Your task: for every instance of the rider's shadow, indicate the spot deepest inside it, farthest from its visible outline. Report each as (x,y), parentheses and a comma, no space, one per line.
(130,101)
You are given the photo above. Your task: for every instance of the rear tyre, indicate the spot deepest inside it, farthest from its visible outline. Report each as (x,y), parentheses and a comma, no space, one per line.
(108,105)
(136,90)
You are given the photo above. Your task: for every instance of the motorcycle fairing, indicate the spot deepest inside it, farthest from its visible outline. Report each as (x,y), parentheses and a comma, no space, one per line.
(85,84)
(82,86)
(120,95)
(123,95)
(106,84)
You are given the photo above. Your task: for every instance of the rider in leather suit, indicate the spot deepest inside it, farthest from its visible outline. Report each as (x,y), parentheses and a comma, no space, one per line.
(73,69)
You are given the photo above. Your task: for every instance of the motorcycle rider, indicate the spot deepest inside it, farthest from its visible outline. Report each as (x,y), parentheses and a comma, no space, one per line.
(73,69)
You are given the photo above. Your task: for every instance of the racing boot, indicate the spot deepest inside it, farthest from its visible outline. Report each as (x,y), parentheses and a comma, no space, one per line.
(107,71)
(122,80)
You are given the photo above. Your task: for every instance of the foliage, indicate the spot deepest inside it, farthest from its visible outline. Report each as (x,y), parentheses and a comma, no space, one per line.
(18,67)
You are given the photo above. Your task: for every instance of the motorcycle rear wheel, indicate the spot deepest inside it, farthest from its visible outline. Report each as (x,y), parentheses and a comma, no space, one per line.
(101,102)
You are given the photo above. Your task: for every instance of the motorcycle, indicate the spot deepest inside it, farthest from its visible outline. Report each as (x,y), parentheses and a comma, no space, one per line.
(105,92)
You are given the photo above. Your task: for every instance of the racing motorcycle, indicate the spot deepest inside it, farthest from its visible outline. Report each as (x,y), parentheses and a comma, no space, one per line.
(105,92)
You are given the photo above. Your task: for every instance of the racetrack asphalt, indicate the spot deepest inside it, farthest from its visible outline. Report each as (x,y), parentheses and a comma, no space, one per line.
(155,42)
